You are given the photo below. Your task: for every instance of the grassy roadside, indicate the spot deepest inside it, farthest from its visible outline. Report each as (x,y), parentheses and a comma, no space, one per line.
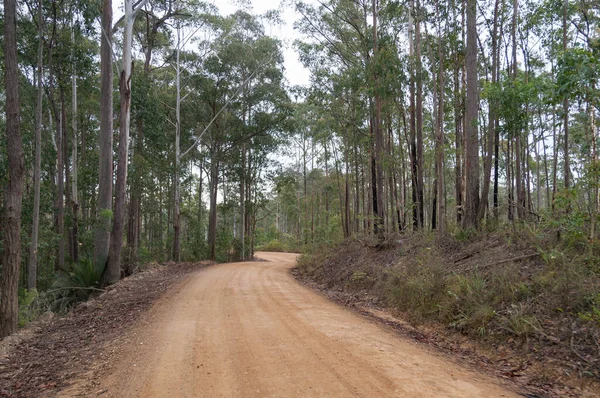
(511,292)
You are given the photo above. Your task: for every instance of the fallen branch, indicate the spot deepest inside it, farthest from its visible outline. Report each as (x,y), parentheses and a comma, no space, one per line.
(525,257)
(578,354)
(509,260)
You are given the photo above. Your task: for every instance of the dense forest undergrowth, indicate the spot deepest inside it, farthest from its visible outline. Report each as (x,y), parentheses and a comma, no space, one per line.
(522,292)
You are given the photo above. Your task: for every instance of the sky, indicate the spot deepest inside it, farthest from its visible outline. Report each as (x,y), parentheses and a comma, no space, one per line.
(295,72)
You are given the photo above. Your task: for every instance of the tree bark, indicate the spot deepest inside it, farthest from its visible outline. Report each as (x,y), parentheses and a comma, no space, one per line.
(60,180)
(518,133)
(13,199)
(177,194)
(419,120)
(33,248)
(212,216)
(379,206)
(491,144)
(458,133)
(440,186)
(105,166)
(74,160)
(112,273)
(413,125)
(471,129)
(567,170)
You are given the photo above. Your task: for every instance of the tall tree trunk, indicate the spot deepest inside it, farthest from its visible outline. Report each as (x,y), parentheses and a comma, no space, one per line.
(67,170)
(413,125)
(471,129)
(440,193)
(347,229)
(518,133)
(458,133)
(74,162)
(496,147)
(105,167)
(112,272)
(378,182)
(243,223)
(177,193)
(60,180)
(33,248)
(556,142)
(212,216)
(491,144)
(13,199)
(419,119)
(567,170)
(546,171)
(357,176)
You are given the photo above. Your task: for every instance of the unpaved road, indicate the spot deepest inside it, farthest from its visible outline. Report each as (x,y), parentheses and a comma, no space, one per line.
(250,330)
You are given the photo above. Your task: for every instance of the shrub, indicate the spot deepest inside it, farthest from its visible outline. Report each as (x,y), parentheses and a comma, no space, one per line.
(28,308)
(273,246)
(73,286)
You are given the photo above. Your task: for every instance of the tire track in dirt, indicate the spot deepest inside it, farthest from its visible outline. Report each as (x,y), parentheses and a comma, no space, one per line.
(250,330)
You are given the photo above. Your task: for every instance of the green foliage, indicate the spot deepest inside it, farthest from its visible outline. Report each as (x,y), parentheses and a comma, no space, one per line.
(592,314)
(273,246)
(28,310)
(518,321)
(73,286)
(569,221)
(360,280)
(465,235)
(418,289)
(578,74)
(514,299)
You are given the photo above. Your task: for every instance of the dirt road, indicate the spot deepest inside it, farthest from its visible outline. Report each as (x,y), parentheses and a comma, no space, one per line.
(250,330)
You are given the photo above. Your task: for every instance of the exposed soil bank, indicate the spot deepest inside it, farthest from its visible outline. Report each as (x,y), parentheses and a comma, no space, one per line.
(494,303)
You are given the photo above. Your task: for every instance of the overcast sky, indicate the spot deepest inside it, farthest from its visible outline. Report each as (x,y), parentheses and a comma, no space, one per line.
(295,73)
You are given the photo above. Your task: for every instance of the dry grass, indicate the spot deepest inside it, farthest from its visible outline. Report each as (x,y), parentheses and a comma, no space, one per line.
(507,288)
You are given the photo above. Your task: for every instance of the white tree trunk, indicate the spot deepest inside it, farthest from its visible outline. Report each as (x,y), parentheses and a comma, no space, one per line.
(33,248)
(74,171)
(113,267)
(177,199)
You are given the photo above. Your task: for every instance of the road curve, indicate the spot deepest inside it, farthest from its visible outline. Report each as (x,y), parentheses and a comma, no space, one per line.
(250,330)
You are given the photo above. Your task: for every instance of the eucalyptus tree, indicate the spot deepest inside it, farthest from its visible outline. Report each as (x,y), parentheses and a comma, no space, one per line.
(341,39)
(112,272)
(242,91)
(471,126)
(105,158)
(13,197)
(32,265)
(153,33)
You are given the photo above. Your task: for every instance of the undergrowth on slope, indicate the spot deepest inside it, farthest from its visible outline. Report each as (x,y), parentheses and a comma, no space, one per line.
(72,286)
(523,284)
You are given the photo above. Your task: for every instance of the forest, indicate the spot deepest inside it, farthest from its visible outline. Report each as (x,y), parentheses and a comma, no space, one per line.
(162,130)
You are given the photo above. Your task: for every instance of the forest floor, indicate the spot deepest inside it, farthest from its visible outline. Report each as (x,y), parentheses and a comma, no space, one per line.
(48,356)
(251,330)
(435,292)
